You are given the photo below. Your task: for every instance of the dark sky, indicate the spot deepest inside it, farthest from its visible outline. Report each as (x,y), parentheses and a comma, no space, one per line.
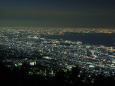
(57,13)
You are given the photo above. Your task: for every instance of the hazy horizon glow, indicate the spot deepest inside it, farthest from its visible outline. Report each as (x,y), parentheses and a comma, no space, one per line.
(58,13)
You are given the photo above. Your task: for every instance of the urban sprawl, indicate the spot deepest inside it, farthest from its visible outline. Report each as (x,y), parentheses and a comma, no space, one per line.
(43,56)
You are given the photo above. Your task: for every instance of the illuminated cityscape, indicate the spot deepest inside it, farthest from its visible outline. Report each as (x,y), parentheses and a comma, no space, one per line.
(31,46)
(57,42)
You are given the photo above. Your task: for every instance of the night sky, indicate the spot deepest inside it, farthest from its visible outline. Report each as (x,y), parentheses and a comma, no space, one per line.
(57,13)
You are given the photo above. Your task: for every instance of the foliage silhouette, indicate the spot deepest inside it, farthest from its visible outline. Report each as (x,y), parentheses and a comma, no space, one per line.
(69,78)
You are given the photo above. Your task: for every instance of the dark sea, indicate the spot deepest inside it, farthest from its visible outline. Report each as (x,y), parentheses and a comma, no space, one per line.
(87,38)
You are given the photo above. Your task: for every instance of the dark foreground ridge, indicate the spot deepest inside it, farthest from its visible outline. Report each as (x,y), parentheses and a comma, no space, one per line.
(69,78)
